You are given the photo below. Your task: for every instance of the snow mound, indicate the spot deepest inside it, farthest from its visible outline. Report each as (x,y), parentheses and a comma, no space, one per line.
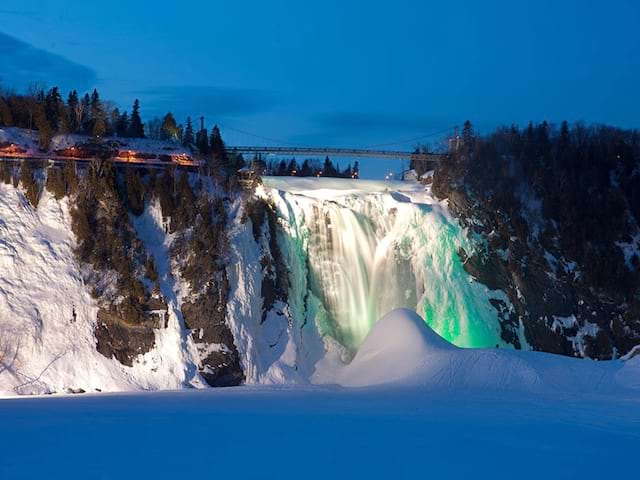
(398,347)
(402,349)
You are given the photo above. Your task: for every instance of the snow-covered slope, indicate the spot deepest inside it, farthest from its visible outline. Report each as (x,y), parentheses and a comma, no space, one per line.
(401,349)
(47,315)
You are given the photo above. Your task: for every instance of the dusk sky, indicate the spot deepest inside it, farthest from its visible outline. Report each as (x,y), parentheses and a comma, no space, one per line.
(336,72)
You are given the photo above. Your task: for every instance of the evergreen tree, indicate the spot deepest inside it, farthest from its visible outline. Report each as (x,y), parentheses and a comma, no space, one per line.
(55,182)
(328,170)
(70,177)
(122,125)
(188,139)
(86,124)
(169,129)
(185,204)
(136,128)
(356,170)
(217,151)
(29,184)
(281,169)
(306,170)
(5,173)
(114,118)
(6,116)
(292,168)
(202,142)
(54,109)
(45,129)
(164,191)
(99,126)
(134,191)
(72,111)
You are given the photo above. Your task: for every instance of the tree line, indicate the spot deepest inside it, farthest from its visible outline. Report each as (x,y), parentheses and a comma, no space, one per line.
(308,168)
(50,114)
(585,179)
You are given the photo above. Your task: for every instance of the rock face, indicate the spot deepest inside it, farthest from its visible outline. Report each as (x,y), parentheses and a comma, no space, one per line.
(124,277)
(115,338)
(200,253)
(205,315)
(570,289)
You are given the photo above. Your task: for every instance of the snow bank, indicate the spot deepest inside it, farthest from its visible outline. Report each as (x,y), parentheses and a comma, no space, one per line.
(402,350)
(397,348)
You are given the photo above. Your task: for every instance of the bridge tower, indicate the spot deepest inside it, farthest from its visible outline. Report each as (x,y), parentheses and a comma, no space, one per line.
(454,141)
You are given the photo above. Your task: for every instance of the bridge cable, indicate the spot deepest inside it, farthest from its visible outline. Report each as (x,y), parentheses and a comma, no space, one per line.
(279,142)
(410,140)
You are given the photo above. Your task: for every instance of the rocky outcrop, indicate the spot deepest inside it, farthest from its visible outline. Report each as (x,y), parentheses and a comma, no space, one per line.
(562,301)
(116,338)
(205,316)
(200,252)
(275,274)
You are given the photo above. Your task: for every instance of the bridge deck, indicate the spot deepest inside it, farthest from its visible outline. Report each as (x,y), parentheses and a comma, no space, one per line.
(337,152)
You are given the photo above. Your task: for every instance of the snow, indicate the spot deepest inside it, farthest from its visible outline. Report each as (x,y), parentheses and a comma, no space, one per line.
(277,350)
(408,404)
(402,350)
(29,140)
(43,349)
(144,145)
(435,410)
(19,136)
(630,250)
(588,329)
(329,188)
(424,408)
(561,323)
(393,350)
(376,225)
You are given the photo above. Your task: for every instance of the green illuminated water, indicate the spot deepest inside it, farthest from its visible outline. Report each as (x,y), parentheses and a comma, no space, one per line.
(361,256)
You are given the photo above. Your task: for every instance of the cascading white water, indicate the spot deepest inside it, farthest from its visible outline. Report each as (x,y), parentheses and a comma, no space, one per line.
(364,254)
(355,269)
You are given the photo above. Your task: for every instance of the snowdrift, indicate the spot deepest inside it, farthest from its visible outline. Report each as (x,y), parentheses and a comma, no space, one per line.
(402,349)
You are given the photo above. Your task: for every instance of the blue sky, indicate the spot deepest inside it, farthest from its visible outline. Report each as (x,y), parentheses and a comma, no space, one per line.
(348,73)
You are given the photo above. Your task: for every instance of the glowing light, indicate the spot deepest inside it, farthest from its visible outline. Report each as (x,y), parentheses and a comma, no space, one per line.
(364,263)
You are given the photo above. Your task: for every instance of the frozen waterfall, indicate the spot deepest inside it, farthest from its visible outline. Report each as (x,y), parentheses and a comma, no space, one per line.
(362,249)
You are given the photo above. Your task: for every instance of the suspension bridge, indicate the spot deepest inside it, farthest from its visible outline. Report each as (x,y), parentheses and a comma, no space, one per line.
(336,152)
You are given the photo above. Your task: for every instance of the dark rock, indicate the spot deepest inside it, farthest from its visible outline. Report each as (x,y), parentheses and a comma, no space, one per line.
(527,267)
(205,316)
(116,338)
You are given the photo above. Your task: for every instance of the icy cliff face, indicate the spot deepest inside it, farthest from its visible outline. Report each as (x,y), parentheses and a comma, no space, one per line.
(48,317)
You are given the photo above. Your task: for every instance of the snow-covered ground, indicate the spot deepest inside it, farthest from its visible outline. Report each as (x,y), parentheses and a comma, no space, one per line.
(28,139)
(437,412)
(308,433)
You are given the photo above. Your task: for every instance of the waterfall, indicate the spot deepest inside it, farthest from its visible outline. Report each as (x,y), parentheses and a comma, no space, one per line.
(362,254)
